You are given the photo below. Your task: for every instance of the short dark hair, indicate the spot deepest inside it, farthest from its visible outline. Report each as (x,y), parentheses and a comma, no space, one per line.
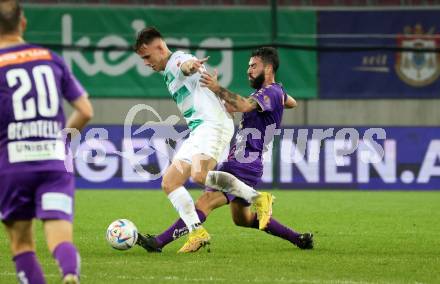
(146,36)
(10,14)
(268,55)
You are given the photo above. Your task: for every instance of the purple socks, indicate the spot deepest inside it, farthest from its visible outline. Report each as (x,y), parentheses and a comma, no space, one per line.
(274,228)
(177,230)
(277,229)
(68,258)
(28,269)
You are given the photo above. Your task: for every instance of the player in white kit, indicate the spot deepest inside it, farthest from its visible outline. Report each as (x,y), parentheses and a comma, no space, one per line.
(211,131)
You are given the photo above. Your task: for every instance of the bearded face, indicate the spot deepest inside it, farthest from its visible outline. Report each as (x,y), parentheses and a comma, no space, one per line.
(256,72)
(258,81)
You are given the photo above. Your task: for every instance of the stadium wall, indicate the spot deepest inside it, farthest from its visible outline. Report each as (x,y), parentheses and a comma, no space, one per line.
(135,156)
(381,112)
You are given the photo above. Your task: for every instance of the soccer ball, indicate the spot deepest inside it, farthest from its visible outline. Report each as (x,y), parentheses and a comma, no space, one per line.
(122,234)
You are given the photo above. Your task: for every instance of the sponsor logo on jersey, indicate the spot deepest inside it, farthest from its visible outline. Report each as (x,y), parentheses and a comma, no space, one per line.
(23,56)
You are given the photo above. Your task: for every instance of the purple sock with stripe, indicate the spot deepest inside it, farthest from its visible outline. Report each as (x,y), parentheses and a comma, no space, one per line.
(68,258)
(28,268)
(177,230)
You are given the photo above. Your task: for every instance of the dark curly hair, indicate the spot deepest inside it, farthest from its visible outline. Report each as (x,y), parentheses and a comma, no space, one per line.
(146,36)
(268,55)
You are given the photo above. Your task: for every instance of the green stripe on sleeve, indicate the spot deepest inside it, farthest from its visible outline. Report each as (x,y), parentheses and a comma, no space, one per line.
(193,124)
(189,113)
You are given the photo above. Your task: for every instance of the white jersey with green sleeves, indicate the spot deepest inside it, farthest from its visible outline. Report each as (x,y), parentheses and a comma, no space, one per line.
(198,105)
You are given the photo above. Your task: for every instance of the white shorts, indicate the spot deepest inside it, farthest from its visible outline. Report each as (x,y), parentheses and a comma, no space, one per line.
(211,139)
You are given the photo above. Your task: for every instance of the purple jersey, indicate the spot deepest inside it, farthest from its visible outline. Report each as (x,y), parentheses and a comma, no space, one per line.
(257,129)
(33,83)
(256,132)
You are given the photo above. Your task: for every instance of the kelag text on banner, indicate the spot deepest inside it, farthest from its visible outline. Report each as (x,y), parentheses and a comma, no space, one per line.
(122,74)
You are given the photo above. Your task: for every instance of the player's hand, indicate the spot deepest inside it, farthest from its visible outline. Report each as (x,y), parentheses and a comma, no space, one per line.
(197,64)
(210,81)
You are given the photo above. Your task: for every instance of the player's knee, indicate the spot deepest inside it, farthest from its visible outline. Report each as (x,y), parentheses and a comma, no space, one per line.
(205,203)
(203,206)
(199,177)
(168,185)
(240,221)
(165,184)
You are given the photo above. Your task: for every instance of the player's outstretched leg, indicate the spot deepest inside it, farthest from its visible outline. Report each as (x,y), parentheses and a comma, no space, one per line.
(197,239)
(226,182)
(263,207)
(242,216)
(175,231)
(275,228)
(149,242)
(207,202)
(306,241)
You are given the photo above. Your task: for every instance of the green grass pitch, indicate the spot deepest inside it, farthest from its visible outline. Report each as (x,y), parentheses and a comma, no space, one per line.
(361,237)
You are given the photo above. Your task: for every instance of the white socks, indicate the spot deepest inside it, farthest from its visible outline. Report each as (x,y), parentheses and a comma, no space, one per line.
(184,204)
(226,182)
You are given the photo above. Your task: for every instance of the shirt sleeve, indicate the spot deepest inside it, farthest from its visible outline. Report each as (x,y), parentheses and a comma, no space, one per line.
(70,86)
(178,61)
(268,98)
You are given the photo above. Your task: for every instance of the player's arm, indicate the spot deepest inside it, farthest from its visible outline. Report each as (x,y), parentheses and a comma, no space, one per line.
(236,102)
(229,107)
(192,66)
(82,114)
(290,102)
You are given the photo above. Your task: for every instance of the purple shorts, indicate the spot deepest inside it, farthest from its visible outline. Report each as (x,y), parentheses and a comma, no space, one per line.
(44,195)
(244,172)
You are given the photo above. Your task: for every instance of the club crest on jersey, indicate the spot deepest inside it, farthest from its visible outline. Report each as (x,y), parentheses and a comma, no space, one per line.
(418,69)
(267,100)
